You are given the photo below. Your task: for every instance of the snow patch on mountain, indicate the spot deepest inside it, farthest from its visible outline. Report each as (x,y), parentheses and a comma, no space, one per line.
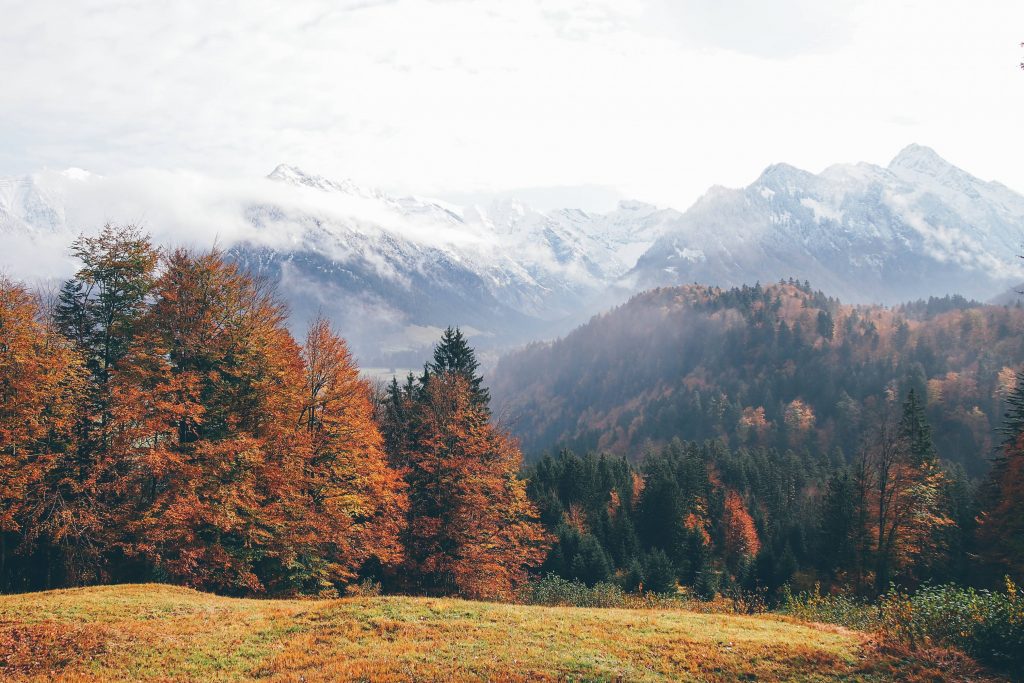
(918,227)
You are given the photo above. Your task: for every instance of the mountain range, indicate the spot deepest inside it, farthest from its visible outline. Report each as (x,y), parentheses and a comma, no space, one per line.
(390,271)
(916,228)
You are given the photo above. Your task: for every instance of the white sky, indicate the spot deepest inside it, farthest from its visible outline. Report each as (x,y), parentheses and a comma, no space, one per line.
(654,99)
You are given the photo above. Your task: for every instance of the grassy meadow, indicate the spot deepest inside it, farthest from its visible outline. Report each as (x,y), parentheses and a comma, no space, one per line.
(158,632)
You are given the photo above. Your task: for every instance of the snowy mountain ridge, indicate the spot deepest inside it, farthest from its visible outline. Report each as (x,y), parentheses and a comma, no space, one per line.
(866,233)
(388,270)
(392,270)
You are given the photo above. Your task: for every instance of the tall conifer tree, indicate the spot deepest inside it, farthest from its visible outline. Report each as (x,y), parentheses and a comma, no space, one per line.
(453,354)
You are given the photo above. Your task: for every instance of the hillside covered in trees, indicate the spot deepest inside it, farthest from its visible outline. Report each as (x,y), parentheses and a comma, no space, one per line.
(158,422)
(780,366)
(769,439)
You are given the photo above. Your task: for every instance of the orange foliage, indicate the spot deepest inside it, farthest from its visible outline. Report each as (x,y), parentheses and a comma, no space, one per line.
(40,382)
(576,518)
(242,462)
(1006,382)
(899,502)
(699,524)
(472,528)
(799,416)
(1001,526)
(740,538)
(752,424)
(638,487)
(226,465)
(955,389)
(614,503)
(356,501)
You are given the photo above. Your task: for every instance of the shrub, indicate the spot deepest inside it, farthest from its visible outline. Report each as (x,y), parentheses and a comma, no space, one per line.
(367,588)
(987,625)
(554,590)
(830,609)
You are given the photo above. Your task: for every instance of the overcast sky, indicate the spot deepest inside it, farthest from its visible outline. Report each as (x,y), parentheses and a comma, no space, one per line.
(653,99)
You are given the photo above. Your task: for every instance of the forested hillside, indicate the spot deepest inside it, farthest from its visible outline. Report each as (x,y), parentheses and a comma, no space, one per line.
(158,421)
(780,366)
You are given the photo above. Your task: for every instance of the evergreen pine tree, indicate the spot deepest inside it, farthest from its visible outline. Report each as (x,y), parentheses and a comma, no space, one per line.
(633,578)
(916,429)
(591,564)
(659,575)
(836,550)
(785,567)
(826,326)
(453,354)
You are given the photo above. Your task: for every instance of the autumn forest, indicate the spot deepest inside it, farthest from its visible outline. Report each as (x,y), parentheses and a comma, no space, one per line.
(159,422)
(770,437)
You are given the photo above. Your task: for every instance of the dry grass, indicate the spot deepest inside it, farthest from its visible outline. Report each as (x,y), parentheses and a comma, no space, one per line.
(155,632)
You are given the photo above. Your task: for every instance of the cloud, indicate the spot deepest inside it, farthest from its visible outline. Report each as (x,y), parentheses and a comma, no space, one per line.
(658,98)
(196,210)
(778,29)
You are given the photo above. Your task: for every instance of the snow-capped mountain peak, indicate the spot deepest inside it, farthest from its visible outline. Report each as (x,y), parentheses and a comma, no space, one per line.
(36,203)
(783,176)
(917,228)
(920,159)
(296,176)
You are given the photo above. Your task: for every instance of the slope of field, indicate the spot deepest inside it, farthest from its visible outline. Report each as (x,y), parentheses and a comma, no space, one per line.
(147,632)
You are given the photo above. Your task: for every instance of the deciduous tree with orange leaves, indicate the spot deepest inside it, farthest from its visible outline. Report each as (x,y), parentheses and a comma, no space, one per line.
(739,533)
(257,464)
(100,311)
(1001,523)
(472,529)
(224,481)
(356,502)
(41,384)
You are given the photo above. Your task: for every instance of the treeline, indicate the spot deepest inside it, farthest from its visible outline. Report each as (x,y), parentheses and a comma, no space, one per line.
(752,521)
(780,367)
(159,422)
